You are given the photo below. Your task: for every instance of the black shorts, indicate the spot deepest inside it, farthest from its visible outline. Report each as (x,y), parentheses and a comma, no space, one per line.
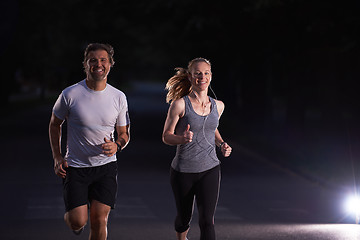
(82,185)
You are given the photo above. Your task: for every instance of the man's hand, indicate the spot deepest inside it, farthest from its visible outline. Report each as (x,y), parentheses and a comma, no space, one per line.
(109,147)
(59,166)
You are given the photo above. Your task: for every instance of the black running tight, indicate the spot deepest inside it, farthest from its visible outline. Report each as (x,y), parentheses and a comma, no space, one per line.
(204,187)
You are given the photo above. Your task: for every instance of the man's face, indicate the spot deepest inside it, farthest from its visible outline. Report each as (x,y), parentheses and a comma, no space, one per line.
(98,65)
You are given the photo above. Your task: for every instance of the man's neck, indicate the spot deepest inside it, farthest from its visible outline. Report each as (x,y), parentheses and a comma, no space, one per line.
(96,85)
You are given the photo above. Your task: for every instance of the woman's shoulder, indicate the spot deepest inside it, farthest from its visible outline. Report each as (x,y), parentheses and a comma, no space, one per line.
(178,103)
(219,103)
(178,106)
(220,106)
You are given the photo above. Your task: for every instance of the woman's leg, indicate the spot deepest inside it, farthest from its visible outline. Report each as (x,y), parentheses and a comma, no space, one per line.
(182,185)
(207,193)
(182,236)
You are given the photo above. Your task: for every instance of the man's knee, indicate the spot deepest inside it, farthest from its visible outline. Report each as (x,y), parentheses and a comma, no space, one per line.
(98,221)
(99,214)
(76,218)
(75,223)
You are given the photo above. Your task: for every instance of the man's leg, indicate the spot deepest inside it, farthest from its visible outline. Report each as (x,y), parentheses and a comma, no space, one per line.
(99,214)
(77,217)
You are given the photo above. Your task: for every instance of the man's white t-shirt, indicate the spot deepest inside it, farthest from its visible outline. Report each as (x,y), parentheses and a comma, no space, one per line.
(91,116)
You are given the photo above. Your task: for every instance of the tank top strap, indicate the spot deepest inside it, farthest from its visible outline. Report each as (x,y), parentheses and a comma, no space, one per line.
(188,105)
(213,106)
(213,103)
(212,100)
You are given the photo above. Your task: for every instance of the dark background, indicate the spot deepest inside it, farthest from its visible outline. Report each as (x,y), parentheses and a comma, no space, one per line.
(296,57)
(286,70)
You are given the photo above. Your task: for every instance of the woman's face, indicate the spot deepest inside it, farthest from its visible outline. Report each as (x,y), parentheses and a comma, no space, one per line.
(200,75)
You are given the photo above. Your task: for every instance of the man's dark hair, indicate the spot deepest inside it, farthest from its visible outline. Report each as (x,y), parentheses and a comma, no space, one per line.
(100,46)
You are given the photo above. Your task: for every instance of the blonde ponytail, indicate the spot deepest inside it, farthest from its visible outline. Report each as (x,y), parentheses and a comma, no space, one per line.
(178,85)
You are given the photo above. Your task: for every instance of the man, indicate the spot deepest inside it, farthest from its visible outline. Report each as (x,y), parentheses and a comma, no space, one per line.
(93,109)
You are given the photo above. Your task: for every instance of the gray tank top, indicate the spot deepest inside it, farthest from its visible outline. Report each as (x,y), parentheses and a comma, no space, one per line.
(200,154)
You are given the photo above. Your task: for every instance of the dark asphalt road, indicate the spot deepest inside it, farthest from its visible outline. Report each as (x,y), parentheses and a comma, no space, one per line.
(258,200)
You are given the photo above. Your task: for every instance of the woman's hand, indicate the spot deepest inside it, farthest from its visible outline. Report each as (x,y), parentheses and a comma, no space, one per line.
(188,135)
(226,149)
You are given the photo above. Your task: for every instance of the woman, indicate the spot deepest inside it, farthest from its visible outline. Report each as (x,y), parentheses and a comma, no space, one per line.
(191,124)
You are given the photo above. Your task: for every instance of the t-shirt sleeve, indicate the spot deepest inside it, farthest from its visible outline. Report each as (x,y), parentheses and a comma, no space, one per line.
(60,108)
(123,118)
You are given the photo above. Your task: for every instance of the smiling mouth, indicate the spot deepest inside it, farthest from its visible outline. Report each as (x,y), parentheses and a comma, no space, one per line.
(98,71)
